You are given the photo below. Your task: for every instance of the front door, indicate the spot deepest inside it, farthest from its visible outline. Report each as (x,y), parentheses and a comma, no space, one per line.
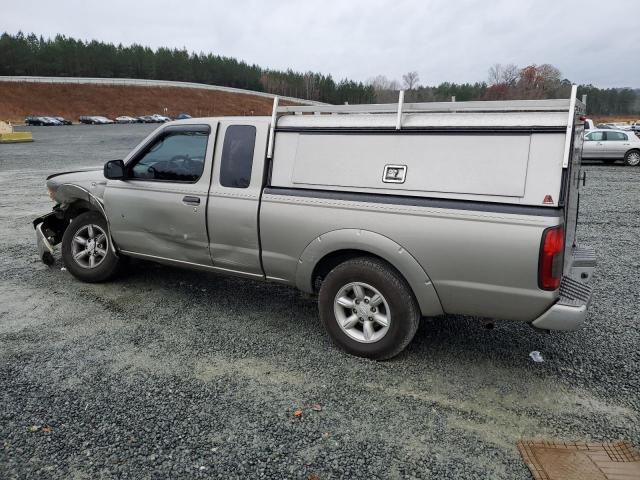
(593,145)
(159,210)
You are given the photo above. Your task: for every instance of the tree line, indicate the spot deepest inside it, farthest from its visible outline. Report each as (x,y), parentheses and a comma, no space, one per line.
(510,82)
(62,56)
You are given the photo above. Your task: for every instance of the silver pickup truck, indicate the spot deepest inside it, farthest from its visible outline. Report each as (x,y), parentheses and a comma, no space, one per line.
(388,213)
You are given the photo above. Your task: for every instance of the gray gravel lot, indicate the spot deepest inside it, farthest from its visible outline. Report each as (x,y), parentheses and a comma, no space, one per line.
(167,373)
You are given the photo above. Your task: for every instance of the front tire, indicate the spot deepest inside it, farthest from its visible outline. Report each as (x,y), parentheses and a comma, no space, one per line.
(86,249)
(368,308)
(632,158)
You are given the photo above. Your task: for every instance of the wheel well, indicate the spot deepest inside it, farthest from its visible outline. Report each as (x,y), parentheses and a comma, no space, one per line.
(78,207)
(66,215)
(333,259)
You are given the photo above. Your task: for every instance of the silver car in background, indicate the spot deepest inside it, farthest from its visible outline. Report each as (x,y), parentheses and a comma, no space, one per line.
(612,145)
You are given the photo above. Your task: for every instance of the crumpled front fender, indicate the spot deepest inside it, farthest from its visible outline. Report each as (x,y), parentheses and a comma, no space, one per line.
(50,228)
(67,193)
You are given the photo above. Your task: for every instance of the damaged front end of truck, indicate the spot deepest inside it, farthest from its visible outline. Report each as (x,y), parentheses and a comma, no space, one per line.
(74,193)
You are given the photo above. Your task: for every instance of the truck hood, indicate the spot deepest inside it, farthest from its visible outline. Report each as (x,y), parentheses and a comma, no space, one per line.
(90,179)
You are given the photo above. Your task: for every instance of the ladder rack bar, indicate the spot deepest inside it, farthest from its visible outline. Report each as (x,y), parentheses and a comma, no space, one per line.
(439,107)
(569,136)
(400,104)
(272,127)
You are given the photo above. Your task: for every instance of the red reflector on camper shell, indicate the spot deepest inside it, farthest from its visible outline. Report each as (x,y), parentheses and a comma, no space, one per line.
(548,200)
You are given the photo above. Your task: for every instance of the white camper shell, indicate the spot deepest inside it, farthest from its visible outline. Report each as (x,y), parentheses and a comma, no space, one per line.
(521,153)
(504,152)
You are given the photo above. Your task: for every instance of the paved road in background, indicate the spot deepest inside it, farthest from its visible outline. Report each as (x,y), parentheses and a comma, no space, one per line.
(167,373)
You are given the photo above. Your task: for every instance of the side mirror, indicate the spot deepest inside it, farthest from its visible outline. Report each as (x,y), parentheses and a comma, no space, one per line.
(114,170)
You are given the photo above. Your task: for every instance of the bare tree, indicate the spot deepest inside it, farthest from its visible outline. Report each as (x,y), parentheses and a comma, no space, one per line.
(310,81)
(550,75)
(410,80)
(538,81)
(385,90)
(503,74)
(380,83)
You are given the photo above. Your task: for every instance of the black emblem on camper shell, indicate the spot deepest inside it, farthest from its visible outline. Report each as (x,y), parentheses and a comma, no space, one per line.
(394,173)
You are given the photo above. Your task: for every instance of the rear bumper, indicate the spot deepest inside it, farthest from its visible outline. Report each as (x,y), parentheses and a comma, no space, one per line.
(570,310)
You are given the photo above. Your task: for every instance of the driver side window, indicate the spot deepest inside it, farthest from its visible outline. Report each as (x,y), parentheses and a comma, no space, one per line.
(174,157)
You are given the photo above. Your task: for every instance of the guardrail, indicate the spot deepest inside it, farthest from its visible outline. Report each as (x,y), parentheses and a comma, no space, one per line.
(149,83)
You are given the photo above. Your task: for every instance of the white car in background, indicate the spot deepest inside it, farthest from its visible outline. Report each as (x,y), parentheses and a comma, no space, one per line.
(126,119)
(612,145)
(160,118)
(103,120)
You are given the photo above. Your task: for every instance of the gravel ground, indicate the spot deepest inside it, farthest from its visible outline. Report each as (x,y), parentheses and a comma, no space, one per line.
(167,373)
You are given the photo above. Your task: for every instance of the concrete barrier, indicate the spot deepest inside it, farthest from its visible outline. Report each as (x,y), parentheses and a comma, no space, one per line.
(7,135)
(16,137)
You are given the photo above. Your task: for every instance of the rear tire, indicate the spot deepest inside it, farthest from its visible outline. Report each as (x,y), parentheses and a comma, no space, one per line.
(86,249)
(632,158)
(368,308)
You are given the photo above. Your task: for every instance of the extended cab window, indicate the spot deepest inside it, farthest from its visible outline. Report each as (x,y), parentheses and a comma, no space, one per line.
(237,156)
(174,157)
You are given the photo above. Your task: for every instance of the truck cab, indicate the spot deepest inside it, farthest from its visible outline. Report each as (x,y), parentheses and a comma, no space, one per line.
(190,194)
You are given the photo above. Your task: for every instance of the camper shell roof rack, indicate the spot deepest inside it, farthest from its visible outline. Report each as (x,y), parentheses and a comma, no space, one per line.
(560,105)
(558,113)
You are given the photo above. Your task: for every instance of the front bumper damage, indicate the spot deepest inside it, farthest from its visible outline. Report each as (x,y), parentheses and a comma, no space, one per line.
(570,310)
(49,230)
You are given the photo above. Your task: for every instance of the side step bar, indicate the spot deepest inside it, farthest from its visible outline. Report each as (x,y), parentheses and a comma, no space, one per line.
(573,292)
(583,262)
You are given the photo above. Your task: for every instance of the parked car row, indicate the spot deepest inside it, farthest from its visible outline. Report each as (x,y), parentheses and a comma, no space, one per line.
(155,118)
(620,126)
(46,121)
(40,120)
(95,120)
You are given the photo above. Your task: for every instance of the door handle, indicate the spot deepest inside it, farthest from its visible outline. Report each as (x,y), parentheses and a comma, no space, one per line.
(190,200)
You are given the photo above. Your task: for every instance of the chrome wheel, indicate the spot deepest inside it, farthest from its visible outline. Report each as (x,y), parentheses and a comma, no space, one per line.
(633,159)
(362,312)
(89,246)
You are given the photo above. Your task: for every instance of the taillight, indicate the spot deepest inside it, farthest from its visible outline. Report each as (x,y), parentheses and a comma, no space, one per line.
(551,258)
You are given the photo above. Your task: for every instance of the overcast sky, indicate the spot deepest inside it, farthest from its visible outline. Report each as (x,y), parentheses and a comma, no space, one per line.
(456,40)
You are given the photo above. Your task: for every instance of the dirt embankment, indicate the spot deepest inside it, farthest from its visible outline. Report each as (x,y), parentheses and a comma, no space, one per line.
(17,100)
